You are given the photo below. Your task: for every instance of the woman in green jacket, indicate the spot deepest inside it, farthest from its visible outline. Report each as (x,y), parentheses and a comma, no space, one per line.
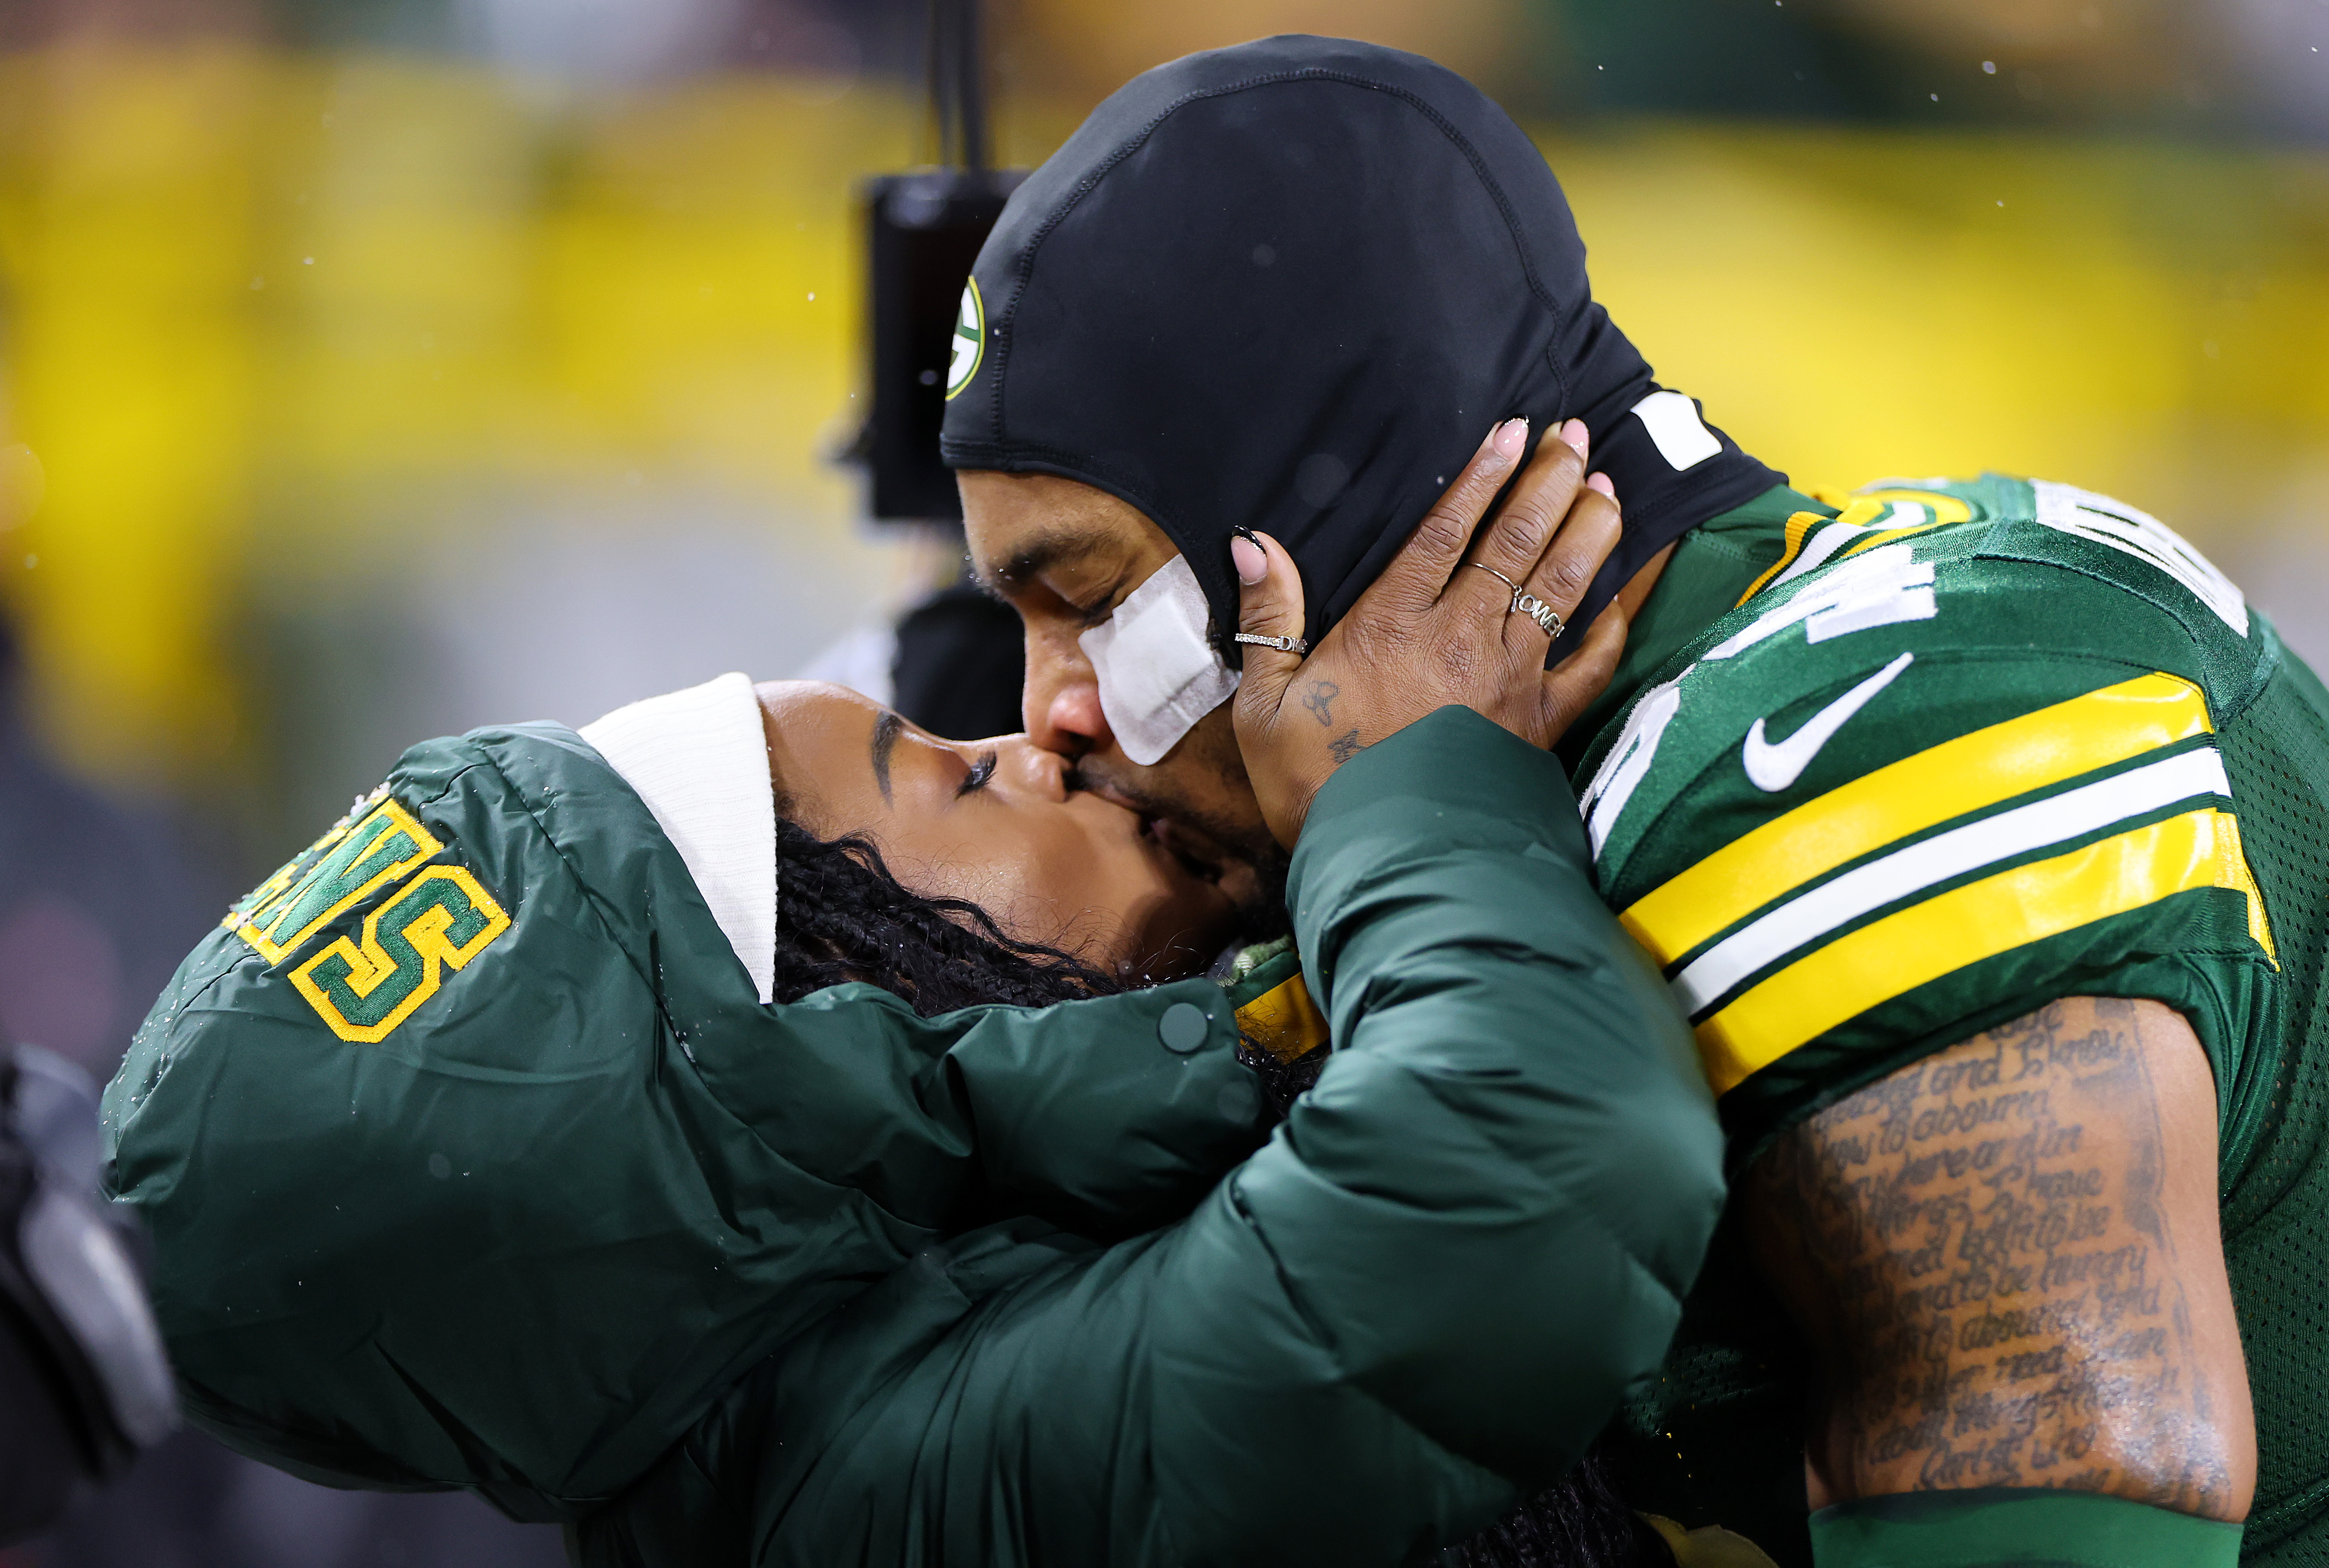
(517,1136)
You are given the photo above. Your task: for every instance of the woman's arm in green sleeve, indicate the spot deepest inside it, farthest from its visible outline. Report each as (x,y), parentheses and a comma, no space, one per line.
(1486,1215)
(1426,1293)
(1511,1069)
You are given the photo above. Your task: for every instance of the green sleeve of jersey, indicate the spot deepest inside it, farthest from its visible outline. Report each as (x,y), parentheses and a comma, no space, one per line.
(1924,790)
(2012,1527)
(471,1159)
(1429,1289)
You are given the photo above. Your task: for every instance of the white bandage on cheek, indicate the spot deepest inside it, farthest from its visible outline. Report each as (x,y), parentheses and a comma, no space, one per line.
(1157,674)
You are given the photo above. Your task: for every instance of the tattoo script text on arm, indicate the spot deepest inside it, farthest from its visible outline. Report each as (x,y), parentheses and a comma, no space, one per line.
(2011,1271)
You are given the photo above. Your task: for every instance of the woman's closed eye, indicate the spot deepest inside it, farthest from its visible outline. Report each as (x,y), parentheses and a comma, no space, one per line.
(982,772)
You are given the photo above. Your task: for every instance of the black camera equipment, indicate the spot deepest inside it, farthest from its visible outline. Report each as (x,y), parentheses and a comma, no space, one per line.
(923,231)
(958,665)
(84,1386)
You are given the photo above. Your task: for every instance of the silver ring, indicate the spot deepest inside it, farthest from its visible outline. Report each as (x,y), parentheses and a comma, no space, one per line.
(1293,645)
(1548,619)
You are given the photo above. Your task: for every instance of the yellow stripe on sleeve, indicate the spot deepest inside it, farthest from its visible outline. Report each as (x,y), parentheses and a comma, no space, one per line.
(1799,528)
(1890,956)
(1862,511)
(1935,509)
(2259,928)
(1886,536)
(1920,791)
(1944,506)
(1284,1021)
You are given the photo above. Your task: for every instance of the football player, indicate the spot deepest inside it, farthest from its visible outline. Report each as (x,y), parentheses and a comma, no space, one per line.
(1977,824)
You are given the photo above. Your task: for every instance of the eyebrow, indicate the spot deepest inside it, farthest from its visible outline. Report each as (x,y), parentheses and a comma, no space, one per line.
(885,740)
(1050,548)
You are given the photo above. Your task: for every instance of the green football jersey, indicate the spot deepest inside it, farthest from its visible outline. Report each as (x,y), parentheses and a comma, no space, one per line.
(1959,751)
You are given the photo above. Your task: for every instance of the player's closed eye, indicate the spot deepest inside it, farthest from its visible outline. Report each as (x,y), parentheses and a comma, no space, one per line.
(1087,615)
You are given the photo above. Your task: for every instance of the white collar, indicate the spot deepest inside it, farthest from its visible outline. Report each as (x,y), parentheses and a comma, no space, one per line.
(700,759)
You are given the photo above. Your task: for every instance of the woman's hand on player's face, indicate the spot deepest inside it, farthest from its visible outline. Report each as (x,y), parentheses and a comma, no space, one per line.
(1435,628)
(1002,823)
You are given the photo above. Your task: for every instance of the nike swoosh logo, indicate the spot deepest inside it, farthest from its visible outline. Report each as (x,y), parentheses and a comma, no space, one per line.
(1771,766)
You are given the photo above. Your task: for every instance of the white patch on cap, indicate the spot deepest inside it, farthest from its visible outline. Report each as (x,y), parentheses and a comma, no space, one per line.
(1157,674)
(1674,424)
(969,341)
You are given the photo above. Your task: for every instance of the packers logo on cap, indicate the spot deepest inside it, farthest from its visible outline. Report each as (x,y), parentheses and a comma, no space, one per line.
(969,340)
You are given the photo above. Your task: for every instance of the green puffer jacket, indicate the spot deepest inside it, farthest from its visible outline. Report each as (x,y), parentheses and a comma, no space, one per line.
(471,1161)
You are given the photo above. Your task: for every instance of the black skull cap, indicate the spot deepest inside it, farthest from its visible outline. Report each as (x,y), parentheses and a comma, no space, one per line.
(1291,286)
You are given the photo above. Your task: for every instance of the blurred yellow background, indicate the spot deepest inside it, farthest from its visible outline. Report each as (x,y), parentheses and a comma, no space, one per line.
(320,370)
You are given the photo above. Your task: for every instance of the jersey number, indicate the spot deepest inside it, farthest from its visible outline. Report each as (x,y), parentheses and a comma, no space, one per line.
(2135,533)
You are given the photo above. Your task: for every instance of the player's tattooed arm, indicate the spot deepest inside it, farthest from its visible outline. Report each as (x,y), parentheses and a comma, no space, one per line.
(2007,1260)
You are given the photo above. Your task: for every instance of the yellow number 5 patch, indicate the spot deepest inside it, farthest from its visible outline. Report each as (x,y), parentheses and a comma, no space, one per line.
(363,990)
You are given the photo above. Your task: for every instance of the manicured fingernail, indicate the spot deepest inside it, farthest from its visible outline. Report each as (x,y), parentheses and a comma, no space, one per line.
(1601,482)
(1509,437)
(1252,565)
(1573,432)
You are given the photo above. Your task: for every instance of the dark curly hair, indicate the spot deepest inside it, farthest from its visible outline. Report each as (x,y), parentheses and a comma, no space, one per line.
(1579,1522)
(841,915)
